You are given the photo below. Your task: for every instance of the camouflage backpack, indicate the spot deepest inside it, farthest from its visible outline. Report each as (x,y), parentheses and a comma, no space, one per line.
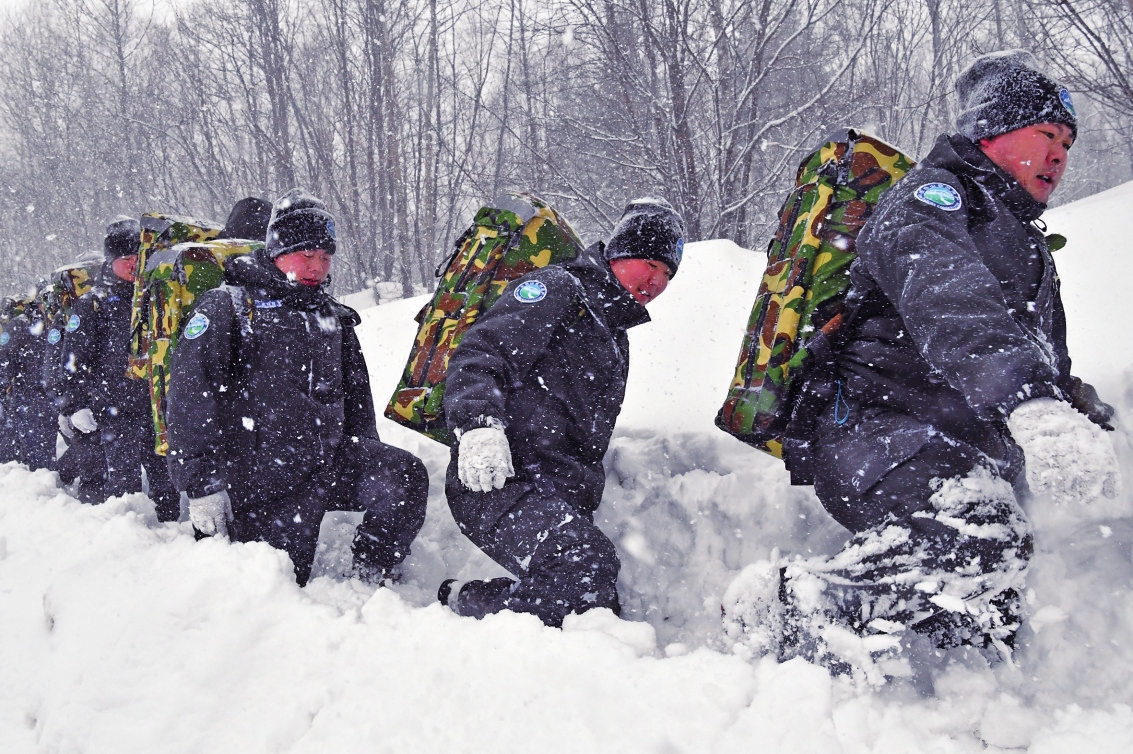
(159,232)
(515,235)
(173,279)
(801,304)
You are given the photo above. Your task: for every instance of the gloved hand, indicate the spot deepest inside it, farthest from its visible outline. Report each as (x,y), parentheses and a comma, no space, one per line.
(1068,457)
(65,426)
(483,459)
(83,420)
(210,514)
(1085,398)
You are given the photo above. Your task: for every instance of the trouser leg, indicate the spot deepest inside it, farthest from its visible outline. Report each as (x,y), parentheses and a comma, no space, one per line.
(85,460)
(290,523)
(565,564)
(943,551)
(36,432)
(391,486)
(122,441)
(166,499)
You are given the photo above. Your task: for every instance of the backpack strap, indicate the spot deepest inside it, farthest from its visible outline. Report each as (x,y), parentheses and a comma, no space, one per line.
(245,350)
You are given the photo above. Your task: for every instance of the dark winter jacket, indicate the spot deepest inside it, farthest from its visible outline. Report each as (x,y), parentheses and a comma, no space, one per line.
(22,345)
(94,356)
(267,380)
(551,366)
(960,317)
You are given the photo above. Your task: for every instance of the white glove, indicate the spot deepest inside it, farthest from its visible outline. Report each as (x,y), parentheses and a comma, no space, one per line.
(65,426)
(483,459)
(83,420)
(1069,458)
(210,514)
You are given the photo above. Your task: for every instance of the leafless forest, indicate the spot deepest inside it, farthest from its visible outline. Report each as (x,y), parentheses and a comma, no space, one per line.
(404,115)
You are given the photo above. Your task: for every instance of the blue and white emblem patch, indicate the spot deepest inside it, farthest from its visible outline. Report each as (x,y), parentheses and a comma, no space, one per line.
(4,338)
(54,336)
(73,323)
(531,291)
(939,195)
(1064,98)
(269,304)
(197,326)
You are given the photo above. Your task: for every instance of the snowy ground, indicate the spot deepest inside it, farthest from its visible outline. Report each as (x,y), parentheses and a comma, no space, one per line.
(119,634)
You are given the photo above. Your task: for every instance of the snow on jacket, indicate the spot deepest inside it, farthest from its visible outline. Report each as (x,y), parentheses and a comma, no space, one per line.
(549,361)
(267,380)
(961,318)
(94,355)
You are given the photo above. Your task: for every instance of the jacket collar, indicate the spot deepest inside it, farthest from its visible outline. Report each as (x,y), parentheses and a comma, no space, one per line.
(959,155)
(605,295)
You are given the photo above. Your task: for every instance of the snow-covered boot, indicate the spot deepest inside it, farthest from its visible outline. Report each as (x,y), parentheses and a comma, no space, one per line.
(374,574)
(753,610)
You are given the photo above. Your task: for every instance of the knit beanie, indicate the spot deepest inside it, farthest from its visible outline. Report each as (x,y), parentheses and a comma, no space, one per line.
(299,222)
(248,219)
(649,228)
(123,236)
(1003,91)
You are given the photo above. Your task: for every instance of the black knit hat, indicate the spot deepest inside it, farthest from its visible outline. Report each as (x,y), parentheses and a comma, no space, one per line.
(248,219)
(1004,91)
(649,228)
(299,222)
(123,236)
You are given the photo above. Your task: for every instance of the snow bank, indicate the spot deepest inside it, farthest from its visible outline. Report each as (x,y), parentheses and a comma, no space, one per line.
(123,634)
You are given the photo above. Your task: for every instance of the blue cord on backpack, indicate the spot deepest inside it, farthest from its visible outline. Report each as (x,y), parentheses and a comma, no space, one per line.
(839,399)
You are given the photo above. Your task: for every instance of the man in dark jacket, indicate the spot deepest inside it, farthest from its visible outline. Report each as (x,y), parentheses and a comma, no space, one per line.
(94,396)
(30,413)
(271,419)
(960,333)
(533,392)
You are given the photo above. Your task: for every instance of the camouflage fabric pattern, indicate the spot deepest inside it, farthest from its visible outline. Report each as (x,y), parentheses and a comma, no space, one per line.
(159,232)
(67,284)
(802,294)
(174,279)
(515,235)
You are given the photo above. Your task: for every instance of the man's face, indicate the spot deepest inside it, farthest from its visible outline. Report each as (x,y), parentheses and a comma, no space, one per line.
(306,267)
(124,267)
(1033,155)
(645,279)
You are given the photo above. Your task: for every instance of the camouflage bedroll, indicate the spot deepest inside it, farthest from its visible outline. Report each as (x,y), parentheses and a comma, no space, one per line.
(67,283)
(516,234)
(800,305)
(159,232)
(174,279)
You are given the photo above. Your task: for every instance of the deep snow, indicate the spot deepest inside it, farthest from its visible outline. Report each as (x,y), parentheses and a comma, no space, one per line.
(119,634)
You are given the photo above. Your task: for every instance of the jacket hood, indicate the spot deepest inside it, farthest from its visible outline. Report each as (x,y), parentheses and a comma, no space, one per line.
(960,156)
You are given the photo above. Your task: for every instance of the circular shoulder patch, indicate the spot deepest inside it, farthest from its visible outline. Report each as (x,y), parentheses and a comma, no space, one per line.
(73,323)
(54,336)
(196,326)
(1064,98)
(4,338)
(531,291)
(939,195)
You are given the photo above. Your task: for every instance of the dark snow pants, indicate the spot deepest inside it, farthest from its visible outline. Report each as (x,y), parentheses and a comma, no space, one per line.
(564,562)
(128,442)
(940,546)
(36,427)
(85,460)
(388,484)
